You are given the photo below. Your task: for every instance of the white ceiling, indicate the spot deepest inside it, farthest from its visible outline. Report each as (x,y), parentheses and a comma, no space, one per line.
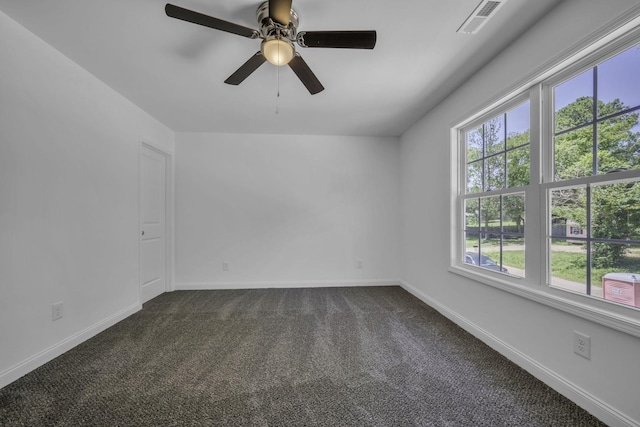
(175,70)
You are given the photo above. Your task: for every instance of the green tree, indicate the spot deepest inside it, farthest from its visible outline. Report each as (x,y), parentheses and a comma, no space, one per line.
(614,211)
(517,176)
(487,158)
(617,216)
(618,146)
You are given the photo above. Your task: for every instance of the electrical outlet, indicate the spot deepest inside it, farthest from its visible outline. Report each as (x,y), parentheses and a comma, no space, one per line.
(56,311)
(582,344)
(225,265)
(360,264)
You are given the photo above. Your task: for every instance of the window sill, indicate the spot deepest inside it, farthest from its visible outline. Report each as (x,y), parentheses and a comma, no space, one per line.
(595,310)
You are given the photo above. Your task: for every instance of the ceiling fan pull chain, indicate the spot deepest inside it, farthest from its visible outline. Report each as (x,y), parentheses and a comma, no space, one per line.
(278,85)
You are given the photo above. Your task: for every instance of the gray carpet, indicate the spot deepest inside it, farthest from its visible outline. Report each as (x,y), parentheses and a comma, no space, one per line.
(285,357)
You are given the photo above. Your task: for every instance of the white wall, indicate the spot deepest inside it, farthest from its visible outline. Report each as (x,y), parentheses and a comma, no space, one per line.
(68,201)
(536,336)
(285,210)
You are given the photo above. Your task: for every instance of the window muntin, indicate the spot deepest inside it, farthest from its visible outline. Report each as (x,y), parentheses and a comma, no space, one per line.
(594,215)
(595,231)
(494,233)
(497,159)
(592,138)
(497,152)
(618,78)
(594,146)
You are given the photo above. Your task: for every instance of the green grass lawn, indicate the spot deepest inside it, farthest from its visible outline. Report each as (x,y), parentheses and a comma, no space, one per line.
(509,258)
(568,265)
(572,266)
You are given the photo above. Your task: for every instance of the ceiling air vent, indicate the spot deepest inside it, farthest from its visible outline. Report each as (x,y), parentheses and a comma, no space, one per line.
(485,10)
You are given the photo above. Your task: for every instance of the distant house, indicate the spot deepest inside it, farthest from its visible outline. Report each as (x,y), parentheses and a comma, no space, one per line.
(574,229)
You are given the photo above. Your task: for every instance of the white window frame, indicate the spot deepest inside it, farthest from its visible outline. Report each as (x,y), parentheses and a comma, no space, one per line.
(462,166)
(538,89)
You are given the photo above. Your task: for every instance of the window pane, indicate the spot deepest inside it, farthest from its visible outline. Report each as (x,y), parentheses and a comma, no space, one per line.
(472,213)
(619,143)
(490,253)
(487,237)
(513,213)
(517,139)
(618,81)
(568,266)
(494,135)
(573,154)
(513,218)
(513,255)
(494,172)
(471,244)
(471,255)
(569,213)
(615,273)
(490,217)
(474,177)
(573,101)
(489,256)
(490,245)
(518,125)
(615,211)
(474,144)
(518,167)
(471,226)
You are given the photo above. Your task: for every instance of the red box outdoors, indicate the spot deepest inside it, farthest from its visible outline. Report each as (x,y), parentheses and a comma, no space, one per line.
(622,287)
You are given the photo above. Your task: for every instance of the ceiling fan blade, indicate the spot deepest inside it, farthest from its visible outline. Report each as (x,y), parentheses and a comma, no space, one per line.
(246,69)
(338,39)
(208,21)
(280,11)
(305,74)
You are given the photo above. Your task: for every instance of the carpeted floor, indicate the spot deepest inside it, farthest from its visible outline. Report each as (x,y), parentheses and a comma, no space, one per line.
(285,357)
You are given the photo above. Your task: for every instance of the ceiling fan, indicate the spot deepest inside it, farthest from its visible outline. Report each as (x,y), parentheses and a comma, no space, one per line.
(278,29)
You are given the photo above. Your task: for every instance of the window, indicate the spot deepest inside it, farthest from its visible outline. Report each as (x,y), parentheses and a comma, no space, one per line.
(497,172)
(596,137)
(565,155)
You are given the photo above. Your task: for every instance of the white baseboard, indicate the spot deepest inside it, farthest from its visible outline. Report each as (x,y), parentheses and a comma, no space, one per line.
(579,396)
(13,373)
(192,286)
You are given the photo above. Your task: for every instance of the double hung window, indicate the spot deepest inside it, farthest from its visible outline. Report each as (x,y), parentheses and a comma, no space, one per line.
(563,158)
(594,197)
(497,174)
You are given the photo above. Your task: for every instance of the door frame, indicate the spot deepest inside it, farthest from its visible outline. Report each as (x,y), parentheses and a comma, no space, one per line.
(144,143)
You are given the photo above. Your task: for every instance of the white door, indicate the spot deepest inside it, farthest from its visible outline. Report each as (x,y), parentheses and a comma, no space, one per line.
(153,252)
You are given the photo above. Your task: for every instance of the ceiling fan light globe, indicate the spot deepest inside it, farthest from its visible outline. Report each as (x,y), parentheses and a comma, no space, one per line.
(277,51)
